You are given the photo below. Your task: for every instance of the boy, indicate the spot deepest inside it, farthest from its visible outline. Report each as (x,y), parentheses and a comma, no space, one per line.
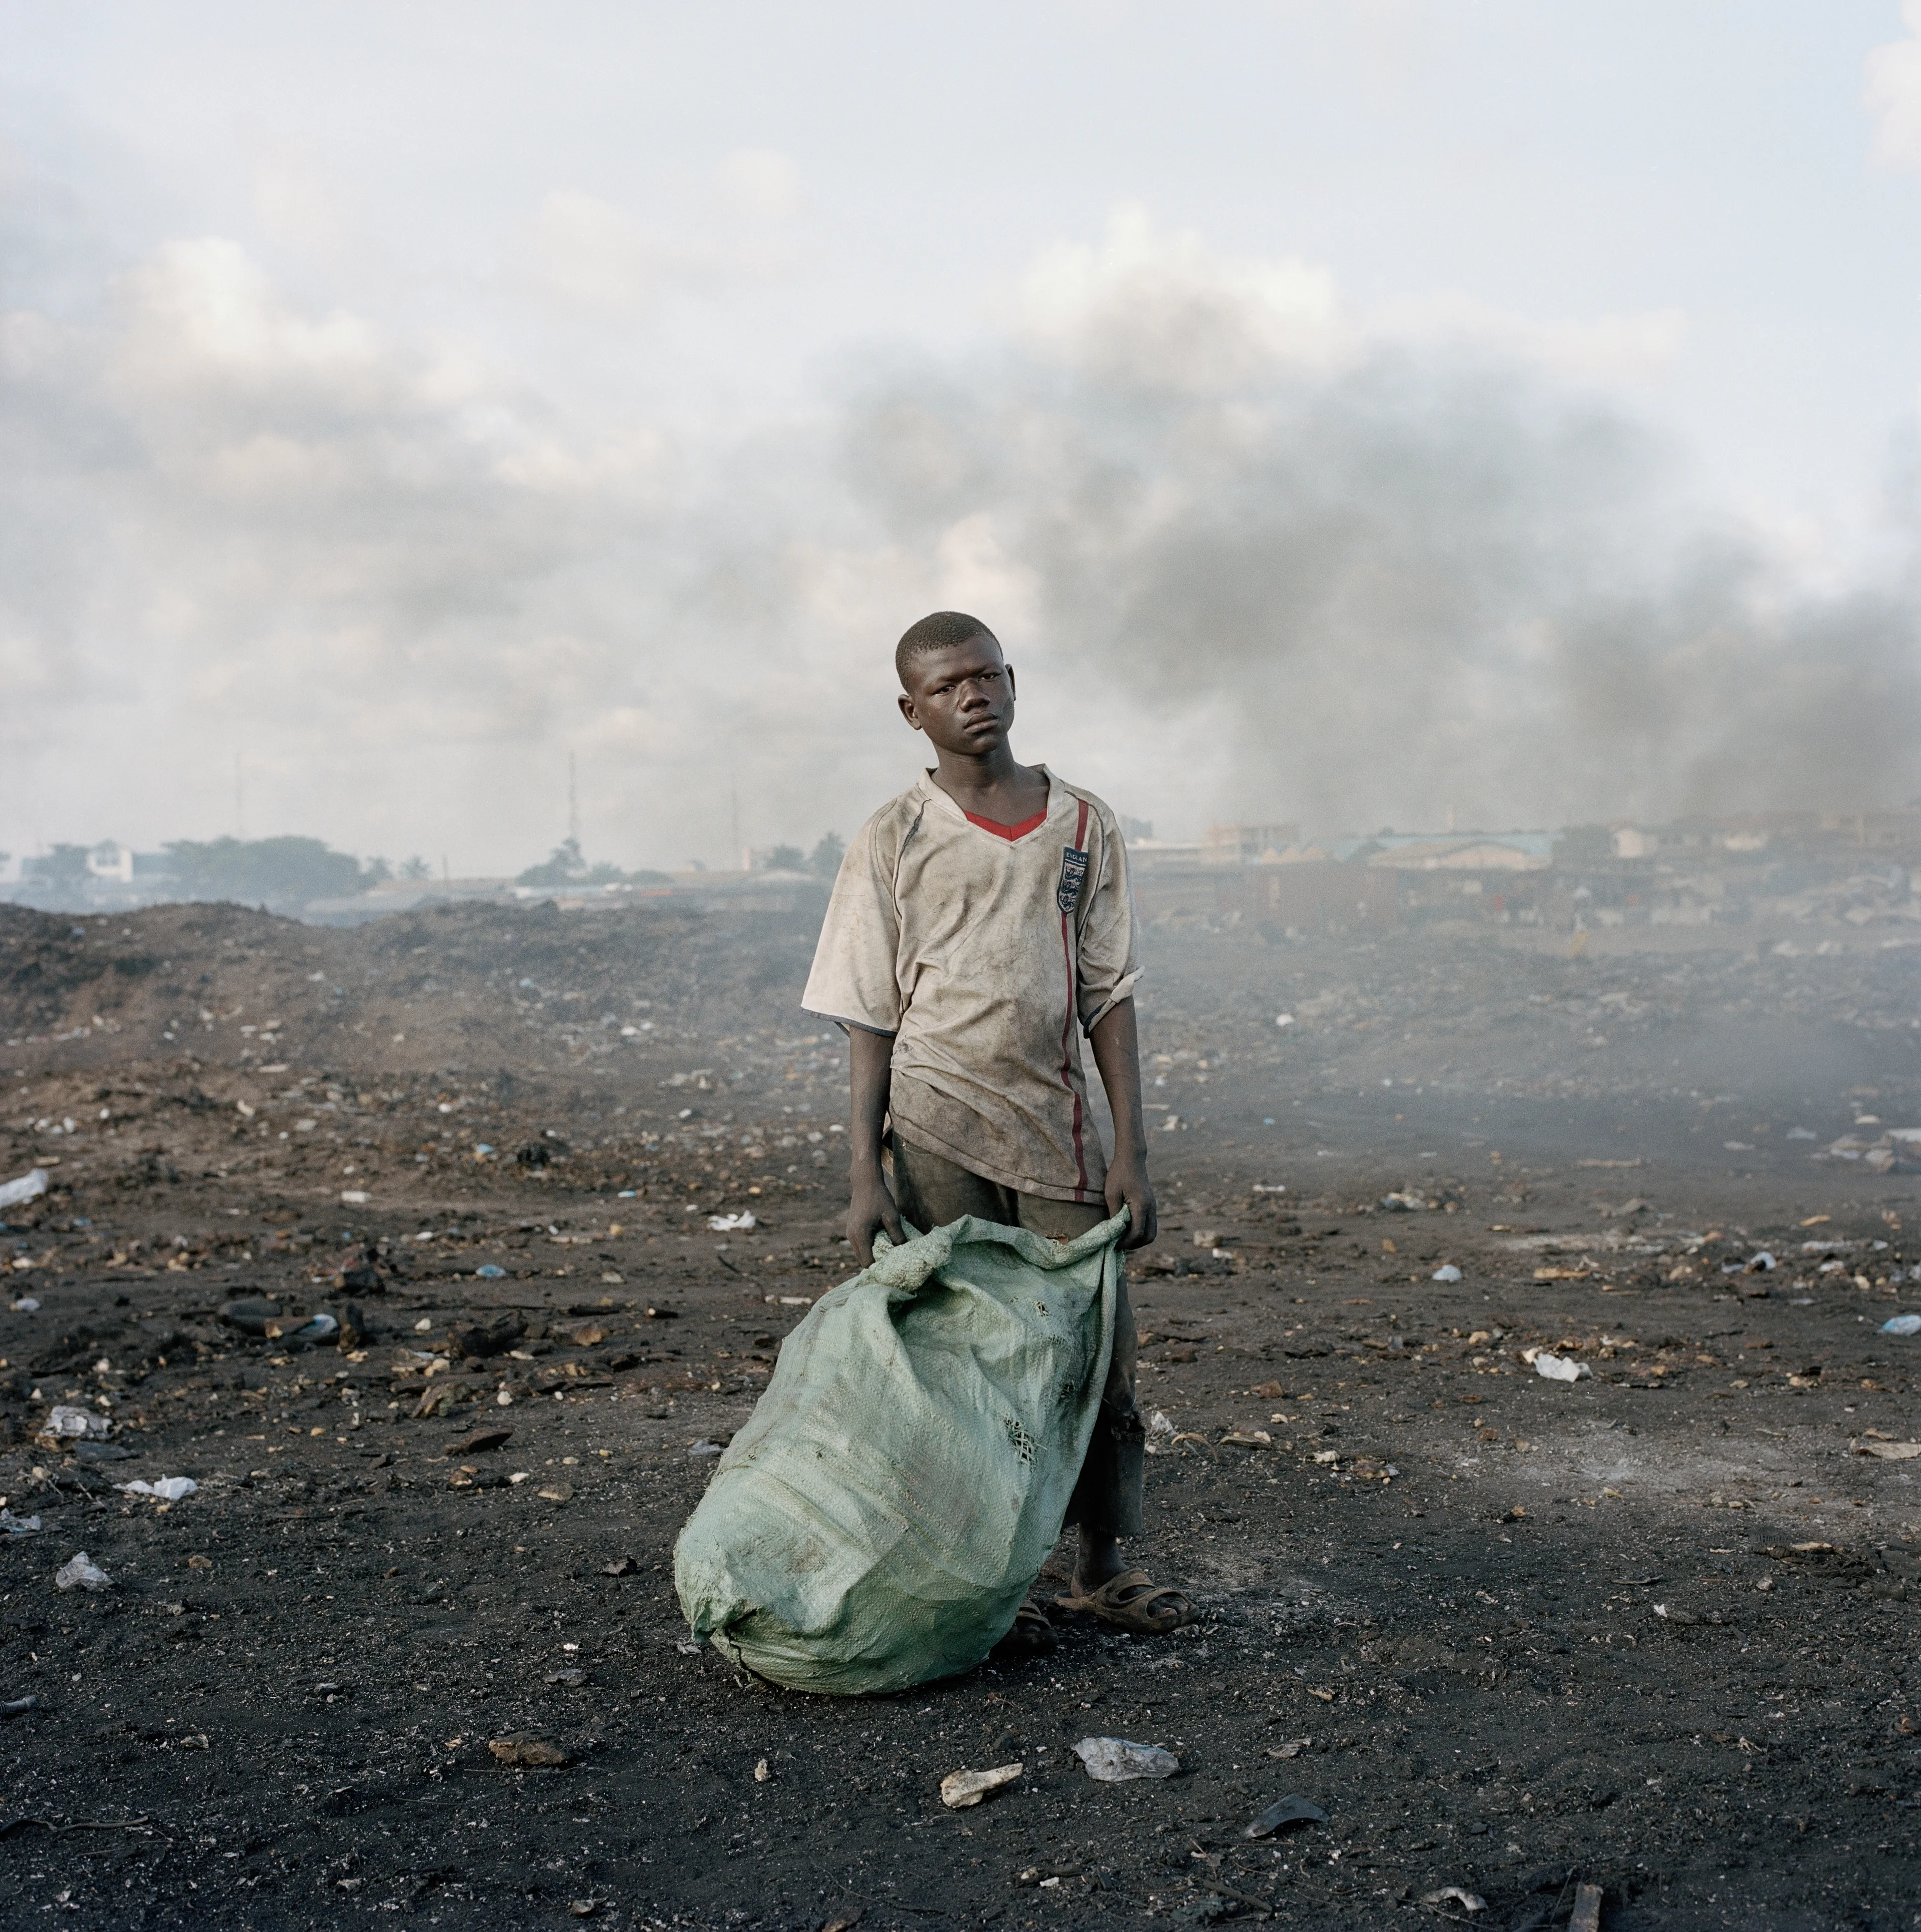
(975,920)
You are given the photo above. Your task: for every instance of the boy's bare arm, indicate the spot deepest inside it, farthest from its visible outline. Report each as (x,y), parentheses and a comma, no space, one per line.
(871,1206)
(1117,1054)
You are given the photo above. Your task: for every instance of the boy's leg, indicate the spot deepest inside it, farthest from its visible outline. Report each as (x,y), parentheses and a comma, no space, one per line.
(1106,1504)
(931,1190)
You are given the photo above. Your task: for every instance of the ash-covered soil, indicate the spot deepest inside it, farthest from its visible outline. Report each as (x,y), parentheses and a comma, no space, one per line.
(1652,1629)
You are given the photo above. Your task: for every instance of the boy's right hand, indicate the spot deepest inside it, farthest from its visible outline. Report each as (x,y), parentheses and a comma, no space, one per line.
(871,1209)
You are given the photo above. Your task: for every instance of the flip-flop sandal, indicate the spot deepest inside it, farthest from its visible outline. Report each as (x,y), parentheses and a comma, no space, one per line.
(1133,1601)
(1032,1635)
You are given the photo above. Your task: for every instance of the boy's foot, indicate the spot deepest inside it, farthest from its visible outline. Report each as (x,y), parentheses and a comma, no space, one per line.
(1032,1636)
(1131,1600)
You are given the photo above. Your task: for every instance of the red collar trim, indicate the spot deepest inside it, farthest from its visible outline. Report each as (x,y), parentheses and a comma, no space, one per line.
(1009,832)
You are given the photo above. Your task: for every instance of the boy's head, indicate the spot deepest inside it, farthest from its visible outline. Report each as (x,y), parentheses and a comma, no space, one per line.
(943,631)
(954,684)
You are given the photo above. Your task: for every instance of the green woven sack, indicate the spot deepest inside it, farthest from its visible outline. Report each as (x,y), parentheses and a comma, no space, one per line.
(899,1485)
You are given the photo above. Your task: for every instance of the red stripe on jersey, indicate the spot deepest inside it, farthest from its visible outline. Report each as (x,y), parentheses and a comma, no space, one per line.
(1009,832)
(1067,1028)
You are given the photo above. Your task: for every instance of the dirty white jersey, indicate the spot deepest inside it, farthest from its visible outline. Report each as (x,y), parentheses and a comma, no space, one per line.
(985,951)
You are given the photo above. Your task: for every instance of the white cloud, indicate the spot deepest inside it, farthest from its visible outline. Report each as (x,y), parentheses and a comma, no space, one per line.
(299,206)
(759,184)
(204,323)
(1894,94)
(586,254)
(1160,310)
(1624,349)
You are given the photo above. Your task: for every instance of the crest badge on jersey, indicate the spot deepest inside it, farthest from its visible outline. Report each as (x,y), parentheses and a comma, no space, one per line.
(1073,871)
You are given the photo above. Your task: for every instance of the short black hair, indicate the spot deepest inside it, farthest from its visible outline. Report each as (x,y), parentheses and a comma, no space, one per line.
(940,631)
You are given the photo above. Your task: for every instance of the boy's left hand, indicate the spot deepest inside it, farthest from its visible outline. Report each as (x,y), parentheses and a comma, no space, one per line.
(1127,1182)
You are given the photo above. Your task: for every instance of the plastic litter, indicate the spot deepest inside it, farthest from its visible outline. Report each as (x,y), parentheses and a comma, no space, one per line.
(892,1497)
(82,1573)
(1114,1760)
(1890,1452)
(65,1422)
(704,1448)
(491,1271)
(30,1185)
(1902,1324)
(1406,1201)
(1761,1263)
(1282,1812)
(1448,1272)
(960,1788)
(731,1224)
(27,1304)
(17,1525)
(1283,1019)
(168,1489)
(1559,1368)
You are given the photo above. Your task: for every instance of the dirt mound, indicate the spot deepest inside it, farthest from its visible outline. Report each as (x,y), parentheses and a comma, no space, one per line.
(447,987)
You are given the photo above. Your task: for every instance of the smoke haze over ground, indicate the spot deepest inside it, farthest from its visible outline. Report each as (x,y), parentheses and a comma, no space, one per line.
(397,541)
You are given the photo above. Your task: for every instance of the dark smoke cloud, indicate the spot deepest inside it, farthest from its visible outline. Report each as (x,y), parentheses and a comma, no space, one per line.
(1422,579)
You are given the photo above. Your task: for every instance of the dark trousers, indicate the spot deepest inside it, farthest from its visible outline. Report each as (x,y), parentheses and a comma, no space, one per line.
(930,1191)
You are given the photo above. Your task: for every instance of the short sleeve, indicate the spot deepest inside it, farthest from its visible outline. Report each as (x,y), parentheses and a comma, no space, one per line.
(1109,949)
(854,978)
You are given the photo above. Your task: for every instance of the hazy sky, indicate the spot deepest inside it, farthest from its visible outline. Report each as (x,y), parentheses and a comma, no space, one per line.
(1346,409)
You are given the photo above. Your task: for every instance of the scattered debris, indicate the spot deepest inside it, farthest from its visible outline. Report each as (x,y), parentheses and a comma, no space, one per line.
(478,1340)
(527,1750)
(1292,1748)
(1114,1760)
(30,1185)
(1902,1324)
(168,1489)
(1587,1915)
(704,1448)
(1889,1452)
(1281,1814)
(1454,1894)
(1446,1272)
(82,1573)
(65,1424)
(18,1707)
(731,1224)
(17,1525)
(481,1441)
(1559,1368)
(266,1321)
(960,1788)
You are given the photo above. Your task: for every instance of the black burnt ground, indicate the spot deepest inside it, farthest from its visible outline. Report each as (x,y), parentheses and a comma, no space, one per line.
(1651,1630)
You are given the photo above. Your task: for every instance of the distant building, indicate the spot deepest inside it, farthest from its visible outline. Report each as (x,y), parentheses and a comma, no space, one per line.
(1245,844)
(1466,852)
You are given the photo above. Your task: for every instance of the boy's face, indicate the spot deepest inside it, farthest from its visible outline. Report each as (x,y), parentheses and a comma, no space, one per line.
(962,698)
